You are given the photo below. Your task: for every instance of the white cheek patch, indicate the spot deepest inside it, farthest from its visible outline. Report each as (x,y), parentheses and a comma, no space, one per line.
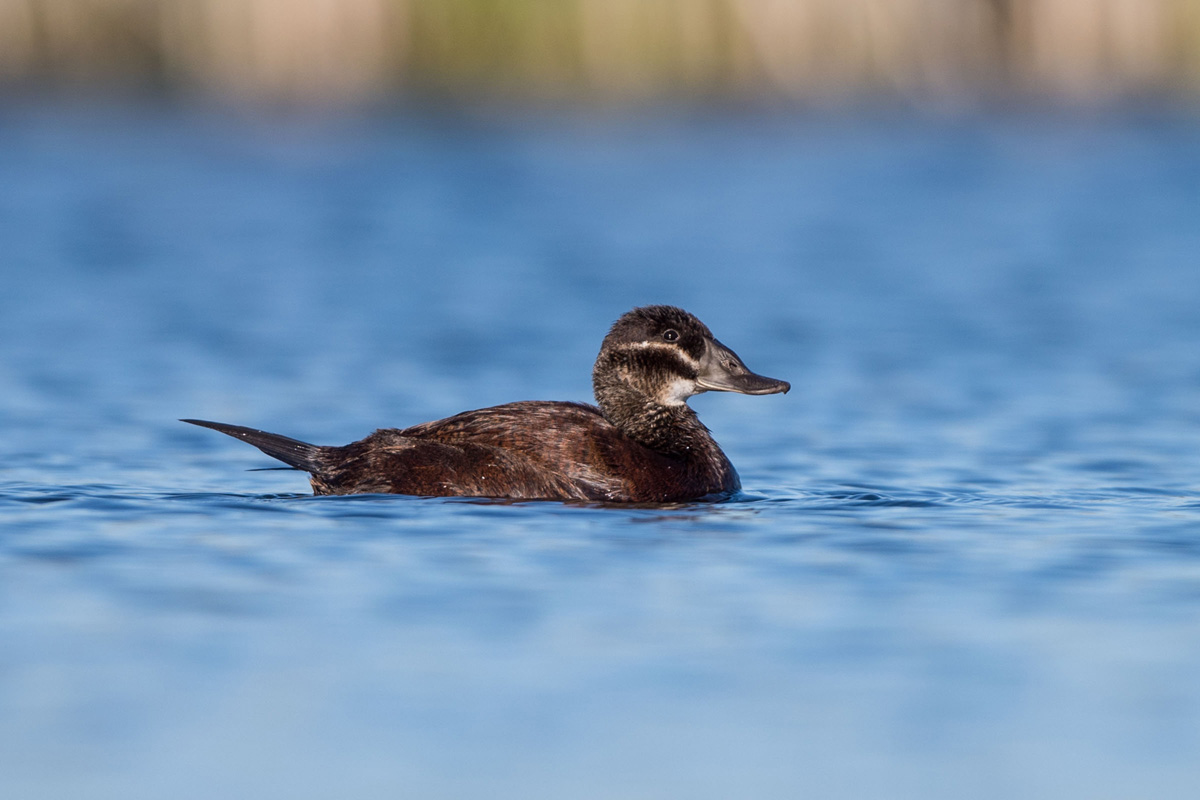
(678,391)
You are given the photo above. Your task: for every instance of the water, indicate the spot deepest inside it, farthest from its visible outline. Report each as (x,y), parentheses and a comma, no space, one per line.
(967,557)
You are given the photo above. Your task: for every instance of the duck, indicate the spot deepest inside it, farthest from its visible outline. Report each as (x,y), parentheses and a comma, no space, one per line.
(640,443)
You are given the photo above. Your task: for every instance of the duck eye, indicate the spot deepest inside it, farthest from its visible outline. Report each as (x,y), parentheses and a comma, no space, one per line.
(670,335)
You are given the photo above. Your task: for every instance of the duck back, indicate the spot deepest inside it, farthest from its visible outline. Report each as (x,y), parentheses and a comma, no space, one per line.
(528,450)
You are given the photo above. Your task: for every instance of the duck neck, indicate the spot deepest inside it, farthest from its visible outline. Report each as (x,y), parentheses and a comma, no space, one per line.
(668,429)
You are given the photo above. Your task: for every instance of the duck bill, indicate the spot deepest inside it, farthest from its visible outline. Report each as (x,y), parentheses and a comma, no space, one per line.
(722,371)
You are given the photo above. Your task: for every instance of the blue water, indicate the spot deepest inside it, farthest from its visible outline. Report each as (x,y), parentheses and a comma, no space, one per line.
(966,562)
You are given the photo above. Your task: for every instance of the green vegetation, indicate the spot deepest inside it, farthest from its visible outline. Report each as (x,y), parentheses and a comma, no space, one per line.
(610,50)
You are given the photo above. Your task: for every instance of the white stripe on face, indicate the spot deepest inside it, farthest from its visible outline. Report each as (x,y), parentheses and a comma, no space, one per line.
(683,354)
(676,390)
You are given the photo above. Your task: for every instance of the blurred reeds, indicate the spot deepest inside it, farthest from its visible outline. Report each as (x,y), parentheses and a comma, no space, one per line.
(329,50)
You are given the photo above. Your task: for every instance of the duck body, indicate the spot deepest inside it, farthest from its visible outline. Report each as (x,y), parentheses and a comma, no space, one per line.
(528,451)
(641,444)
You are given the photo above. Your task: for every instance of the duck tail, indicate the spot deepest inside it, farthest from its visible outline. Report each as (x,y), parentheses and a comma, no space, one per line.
(292,452)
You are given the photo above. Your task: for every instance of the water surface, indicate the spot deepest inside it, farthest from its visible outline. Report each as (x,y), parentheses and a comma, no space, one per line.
(966,561)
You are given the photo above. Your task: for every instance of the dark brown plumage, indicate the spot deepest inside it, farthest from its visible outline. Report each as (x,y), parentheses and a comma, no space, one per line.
(642,444)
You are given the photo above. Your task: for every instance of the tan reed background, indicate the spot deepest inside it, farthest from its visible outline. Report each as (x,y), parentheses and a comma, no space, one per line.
(353,50)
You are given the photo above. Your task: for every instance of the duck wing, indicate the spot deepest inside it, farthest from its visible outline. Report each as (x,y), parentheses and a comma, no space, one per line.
(529,450)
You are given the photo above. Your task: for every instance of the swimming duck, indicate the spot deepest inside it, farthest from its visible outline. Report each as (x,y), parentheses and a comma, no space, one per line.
(643,444)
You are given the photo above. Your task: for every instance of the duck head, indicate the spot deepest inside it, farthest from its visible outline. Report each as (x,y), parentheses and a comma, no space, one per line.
(662,355)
